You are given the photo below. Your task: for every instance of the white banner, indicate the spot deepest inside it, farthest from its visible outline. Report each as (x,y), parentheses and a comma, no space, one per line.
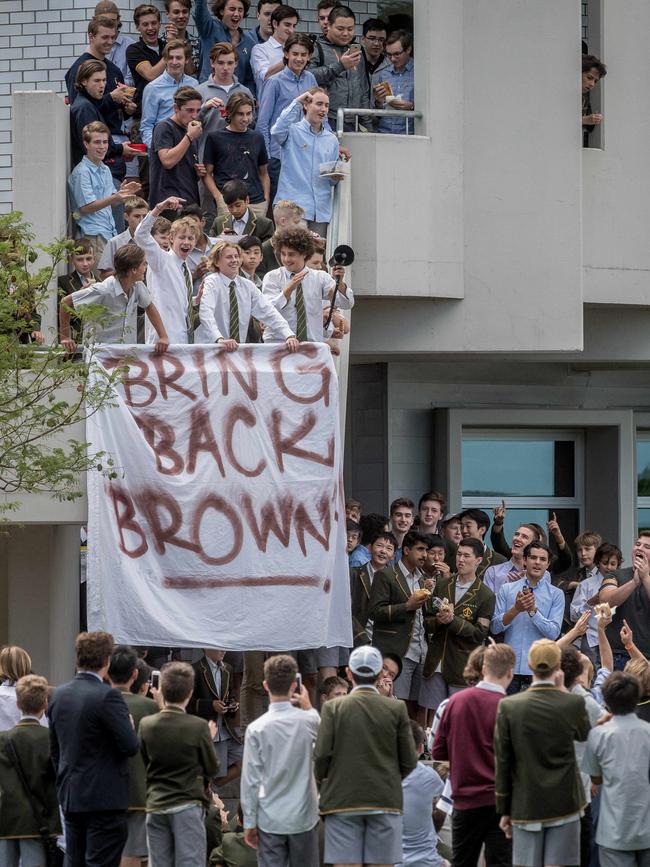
(225,525)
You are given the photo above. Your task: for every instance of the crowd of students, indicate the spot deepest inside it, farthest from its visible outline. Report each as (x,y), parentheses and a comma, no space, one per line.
(235,127)
(524,678)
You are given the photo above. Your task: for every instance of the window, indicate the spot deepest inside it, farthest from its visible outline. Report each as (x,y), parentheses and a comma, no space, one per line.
(536,472)
(643,478)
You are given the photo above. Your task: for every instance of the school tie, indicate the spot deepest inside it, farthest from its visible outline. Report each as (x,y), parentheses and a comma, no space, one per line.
(301,315)
(234,312)
(190,316)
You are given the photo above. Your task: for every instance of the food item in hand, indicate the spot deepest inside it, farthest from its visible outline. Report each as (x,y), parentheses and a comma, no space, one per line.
(603,610)
(421,594)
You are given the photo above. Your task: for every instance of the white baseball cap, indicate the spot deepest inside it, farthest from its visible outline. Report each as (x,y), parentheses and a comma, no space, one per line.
(366,661)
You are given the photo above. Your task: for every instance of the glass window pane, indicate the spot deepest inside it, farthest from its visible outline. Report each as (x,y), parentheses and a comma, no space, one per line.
(518,468)
(643,467)
(643,519)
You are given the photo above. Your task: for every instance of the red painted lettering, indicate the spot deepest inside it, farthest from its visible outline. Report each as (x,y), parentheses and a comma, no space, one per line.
(212,501)
(228,362)
(168,379)
(239,413)
(124,515)
(153,503)
(310,350)
(287,444)
(202,439)
(269,521)
(160,437)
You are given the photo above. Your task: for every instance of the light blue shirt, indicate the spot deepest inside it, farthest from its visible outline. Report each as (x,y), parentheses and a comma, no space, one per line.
(302,152)
(496,576)
(118,56)
(359,557)
(524,629)
(89,183)
(158,101)
(419,838)
(280,90)
(402,84)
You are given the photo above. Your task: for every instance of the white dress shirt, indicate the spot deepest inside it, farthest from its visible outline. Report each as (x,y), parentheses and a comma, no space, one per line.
(167,285)
(417,648)
(278,789)
(263,56)
(121,324)
(316,287)
(214,311)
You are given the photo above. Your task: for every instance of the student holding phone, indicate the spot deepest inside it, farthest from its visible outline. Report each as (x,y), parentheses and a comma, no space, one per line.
(278,790)
(338,65)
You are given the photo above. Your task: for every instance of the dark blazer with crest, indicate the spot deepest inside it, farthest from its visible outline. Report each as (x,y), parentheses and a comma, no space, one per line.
(261,227)
(360,585)
(205,692)
(392,623)
(451,643)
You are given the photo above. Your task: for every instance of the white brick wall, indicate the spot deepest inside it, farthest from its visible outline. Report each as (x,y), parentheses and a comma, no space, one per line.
(39,39)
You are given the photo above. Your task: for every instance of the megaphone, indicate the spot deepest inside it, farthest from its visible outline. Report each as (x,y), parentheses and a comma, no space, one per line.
(342,255)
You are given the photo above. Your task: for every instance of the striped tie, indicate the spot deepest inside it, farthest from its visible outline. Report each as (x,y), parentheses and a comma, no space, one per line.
(301,315)
(234,312)
(190,312)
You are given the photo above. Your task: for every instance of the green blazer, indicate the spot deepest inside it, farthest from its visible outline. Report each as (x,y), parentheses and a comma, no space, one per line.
(269,259)
(261,227)
(490,558)
(363,751)
(139,707)
(537,775)
(32,743)
(233,852)
(452,643)
(360,597)
(179,758)
(393,624)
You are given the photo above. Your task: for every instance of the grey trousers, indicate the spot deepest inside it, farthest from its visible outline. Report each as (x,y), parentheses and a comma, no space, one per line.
(177,839)
(288,850)
(620,858)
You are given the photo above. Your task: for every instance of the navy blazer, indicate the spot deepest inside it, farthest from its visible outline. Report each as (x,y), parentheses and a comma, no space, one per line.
(91,738)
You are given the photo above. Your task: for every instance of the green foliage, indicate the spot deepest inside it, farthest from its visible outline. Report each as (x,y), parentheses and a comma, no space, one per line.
(43,391)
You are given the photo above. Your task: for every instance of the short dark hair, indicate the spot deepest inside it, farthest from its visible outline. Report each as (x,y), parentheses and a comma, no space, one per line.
(401,501)
(124,659)
(144,9)
(176,681)
(365,679)
(263,3)
(590,61)
(248,242)
(478,548)
(279,673)
(482,518)
(144,674)
(388,536)
(434,541)
(298,39)
(373,24)
(539,545)
(330,683)
(127,257)
(413,537)
(192,210)
(235,101)
(281,12)
(341,12)
(93,650)
(621,692)
(186,94)
(219,5)
(294,238)
(325,4)
(371,524)
(571,665)
(436,496)
(352,527)
(607,550)
(234,191)
(402,36)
